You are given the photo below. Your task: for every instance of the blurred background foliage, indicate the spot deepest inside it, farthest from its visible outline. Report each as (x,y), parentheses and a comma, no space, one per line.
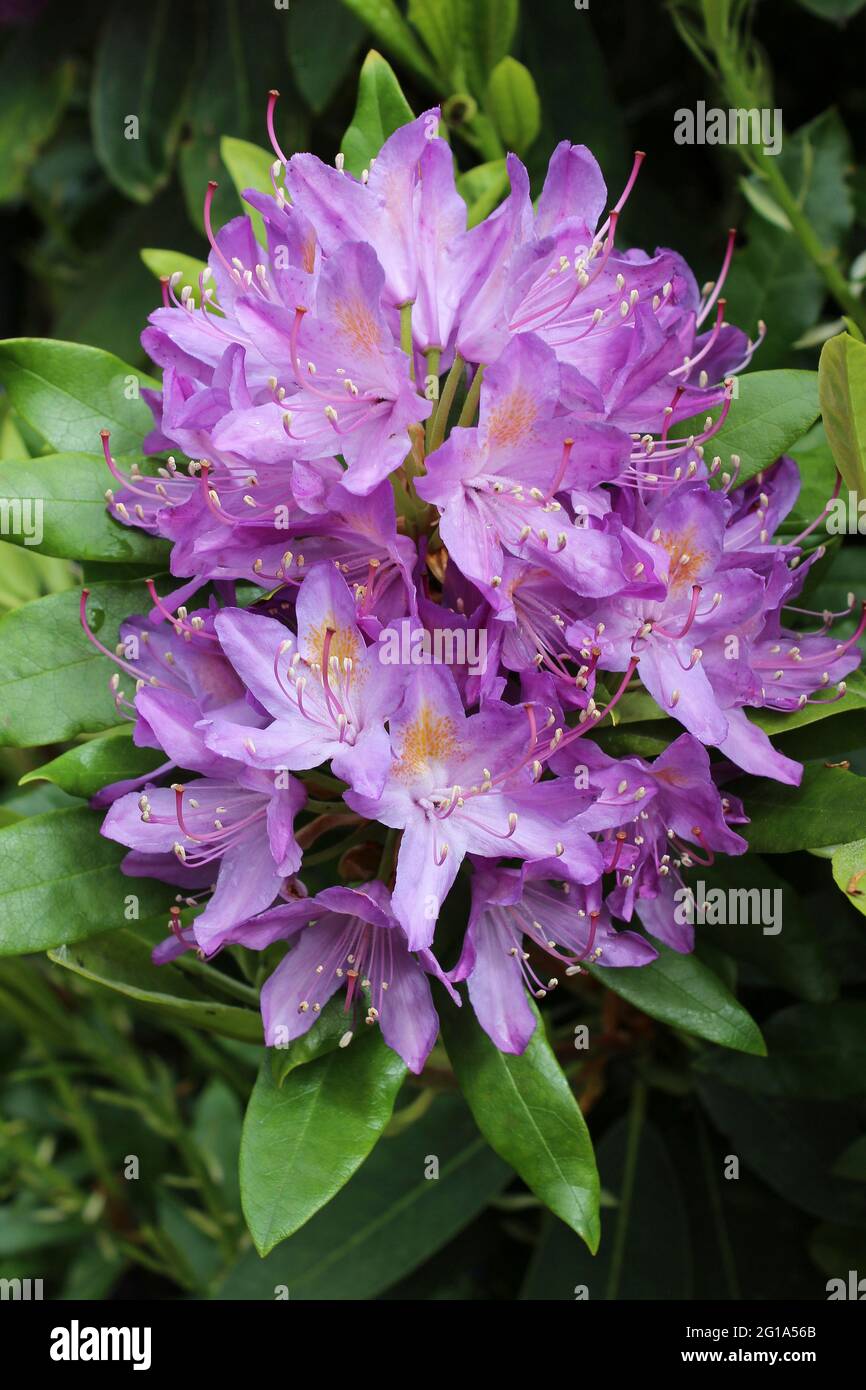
(92,1078)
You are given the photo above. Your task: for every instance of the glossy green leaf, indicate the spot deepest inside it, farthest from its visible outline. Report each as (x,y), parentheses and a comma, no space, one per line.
(380,110)
(303,1141)
(53,682)
(88,767)
(60,882)
(120,961)
(322,40)
(392,1215)
(389,28)
(164,264)
(69,392)
(73,522)
(849,873)
(828,808)
(139,88)
(770,412)
(527,1111)
(683,992)
(512,100)
(842,390)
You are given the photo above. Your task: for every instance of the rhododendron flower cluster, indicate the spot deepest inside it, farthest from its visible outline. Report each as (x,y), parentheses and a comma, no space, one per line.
(384,422)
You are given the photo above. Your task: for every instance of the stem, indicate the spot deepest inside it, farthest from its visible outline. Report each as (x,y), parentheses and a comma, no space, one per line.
(406,335)
(728,1262)
(467,414)
(386,863)
(636,1114)
(433,356)
(439,419)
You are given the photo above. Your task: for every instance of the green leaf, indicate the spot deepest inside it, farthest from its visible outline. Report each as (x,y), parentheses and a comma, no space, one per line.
(60,882)
(120,961)
(654,1260)
(828,808)
(849,873)
(440,27)
(487,33)
(852,1162)
(139,89)
(302,1142)
(833,9)
(163,264)
(842,391)
(386,23)
(250,167)
(321,41)
(381,109)
(814,1052)
(73,520)
(681,991)
(87,768)
(527,1111)
(217,1119)
(69,393)
(771,411)
(513,103)
(388,1219)
(34,90)
(53,682)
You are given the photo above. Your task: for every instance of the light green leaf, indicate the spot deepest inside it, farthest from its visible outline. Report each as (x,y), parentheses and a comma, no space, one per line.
(770,412)
(842,391)
(849,872)
(683,992)
(513,103)
(303,1141)
(163,265)
(380,110)
(528,1113)
(69,393)
(250,167)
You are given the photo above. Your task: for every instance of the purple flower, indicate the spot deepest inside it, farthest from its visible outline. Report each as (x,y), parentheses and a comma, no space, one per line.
(513,909)
(349,938)
(456,784)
